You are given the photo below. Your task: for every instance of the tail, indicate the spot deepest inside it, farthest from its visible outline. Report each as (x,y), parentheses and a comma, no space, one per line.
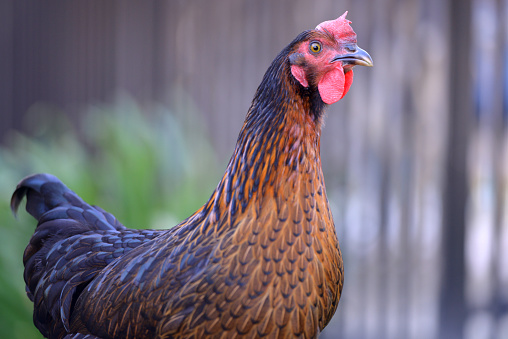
(72,243)
(61,214)
(46,193)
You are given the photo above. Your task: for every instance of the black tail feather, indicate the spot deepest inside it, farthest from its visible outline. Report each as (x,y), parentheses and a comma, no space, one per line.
(49,199)
(33,186)
(72,243)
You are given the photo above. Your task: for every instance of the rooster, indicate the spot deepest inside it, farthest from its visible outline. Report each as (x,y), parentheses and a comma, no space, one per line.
(260,259)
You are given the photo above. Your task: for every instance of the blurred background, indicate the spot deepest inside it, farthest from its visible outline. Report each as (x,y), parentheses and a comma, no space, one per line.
(136,105)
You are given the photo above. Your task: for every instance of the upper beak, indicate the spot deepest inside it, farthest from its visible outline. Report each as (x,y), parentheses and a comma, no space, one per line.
(359,57)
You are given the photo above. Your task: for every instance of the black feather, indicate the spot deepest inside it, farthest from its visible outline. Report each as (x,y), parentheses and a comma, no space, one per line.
(72,243)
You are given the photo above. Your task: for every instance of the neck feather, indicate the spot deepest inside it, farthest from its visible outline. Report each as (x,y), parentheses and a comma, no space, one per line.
(279,141)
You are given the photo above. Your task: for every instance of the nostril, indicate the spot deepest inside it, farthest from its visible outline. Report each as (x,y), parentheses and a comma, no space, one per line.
(351,48)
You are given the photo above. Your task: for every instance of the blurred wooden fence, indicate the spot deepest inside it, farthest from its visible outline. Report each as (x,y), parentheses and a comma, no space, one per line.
(415,157)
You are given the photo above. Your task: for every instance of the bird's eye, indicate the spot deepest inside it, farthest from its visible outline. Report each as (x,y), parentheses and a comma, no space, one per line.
(315,47)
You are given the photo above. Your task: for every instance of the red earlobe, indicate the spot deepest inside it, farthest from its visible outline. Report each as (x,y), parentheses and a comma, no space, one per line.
(299,75)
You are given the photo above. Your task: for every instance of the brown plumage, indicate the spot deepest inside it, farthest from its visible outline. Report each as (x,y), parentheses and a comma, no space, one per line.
(260,258)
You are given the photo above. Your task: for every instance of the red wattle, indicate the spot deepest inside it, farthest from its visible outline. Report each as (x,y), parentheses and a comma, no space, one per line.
(332,85)
(349,81)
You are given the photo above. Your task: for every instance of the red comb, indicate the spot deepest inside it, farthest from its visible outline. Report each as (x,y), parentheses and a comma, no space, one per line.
(339,27)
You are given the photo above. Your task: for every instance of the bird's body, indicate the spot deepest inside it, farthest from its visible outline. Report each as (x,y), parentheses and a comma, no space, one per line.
(260,258)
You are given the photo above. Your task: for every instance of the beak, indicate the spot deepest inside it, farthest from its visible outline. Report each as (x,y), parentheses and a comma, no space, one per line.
(359,57)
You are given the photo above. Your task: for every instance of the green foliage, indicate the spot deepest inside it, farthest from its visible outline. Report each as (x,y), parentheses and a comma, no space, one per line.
(149,170)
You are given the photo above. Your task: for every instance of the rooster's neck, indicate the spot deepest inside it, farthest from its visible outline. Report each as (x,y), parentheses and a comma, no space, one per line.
(277,150)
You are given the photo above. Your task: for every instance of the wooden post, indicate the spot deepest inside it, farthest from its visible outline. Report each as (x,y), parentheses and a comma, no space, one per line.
(455,191)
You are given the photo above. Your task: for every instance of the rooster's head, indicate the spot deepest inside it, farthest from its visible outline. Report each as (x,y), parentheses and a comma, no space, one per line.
(326,57)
